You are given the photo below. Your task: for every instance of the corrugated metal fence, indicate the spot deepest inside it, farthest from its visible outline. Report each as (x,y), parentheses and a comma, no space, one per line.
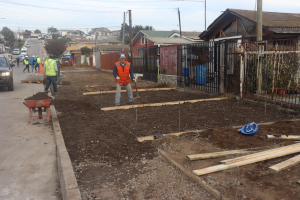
(108,60)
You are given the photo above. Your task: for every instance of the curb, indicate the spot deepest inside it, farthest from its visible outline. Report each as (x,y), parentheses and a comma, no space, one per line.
(68,182)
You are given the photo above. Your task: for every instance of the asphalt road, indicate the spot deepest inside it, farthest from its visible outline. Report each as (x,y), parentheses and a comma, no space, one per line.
(28,166)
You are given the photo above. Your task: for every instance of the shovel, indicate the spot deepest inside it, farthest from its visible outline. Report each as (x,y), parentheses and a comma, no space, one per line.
(137,99)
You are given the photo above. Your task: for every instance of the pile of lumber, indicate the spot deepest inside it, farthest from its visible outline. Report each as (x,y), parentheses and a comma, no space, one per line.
(253,157)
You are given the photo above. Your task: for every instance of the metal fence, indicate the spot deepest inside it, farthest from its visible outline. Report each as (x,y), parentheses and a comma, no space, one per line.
(271,72)
(146,64)
(209,66)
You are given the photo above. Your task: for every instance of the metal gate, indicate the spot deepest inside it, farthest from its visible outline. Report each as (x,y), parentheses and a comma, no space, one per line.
(208,66)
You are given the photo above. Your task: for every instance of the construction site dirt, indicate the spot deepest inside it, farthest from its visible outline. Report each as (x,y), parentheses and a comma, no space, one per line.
(109,162)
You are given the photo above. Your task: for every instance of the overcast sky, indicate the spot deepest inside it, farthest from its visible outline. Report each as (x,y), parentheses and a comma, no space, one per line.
(87,14)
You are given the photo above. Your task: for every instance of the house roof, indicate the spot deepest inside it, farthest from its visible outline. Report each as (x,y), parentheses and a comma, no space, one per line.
(171,40)
(81,41)
(112,47)
(274,21)
(164,34)
(109,41)
(76,51)
(190,34)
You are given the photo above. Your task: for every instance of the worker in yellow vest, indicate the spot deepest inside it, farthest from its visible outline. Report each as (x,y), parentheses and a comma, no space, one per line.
(26,63)
(37,65)
(50,70)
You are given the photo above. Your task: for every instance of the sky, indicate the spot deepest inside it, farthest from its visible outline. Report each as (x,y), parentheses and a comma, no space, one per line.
(161,14)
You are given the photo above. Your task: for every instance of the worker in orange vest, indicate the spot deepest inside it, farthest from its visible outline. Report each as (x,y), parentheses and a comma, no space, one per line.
(121,72)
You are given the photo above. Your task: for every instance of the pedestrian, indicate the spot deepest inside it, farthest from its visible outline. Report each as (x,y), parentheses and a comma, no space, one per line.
(50,71)
(32,63)
(37,65)
(121,72)
(18,61)
(26,63)
(58,63)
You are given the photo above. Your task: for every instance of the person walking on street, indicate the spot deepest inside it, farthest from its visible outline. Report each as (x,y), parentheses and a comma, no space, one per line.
(58,63)
(121,72)
(18,61)
(37,65)
(50,71)
(32,62)
(26,63)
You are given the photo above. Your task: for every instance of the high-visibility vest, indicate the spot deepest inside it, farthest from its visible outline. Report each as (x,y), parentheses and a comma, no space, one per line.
(49,67)
(123,74)
(26,62)
(38,60)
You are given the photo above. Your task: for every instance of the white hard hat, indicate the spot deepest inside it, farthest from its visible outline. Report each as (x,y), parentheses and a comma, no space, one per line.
(32,55)
(26,56)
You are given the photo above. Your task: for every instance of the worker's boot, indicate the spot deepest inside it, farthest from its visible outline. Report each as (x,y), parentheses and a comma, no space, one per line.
(46,91)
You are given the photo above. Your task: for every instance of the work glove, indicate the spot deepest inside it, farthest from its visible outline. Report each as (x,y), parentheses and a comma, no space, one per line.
(134,79)
(117,78)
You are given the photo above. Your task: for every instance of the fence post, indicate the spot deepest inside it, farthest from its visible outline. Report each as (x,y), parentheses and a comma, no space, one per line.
(242,71)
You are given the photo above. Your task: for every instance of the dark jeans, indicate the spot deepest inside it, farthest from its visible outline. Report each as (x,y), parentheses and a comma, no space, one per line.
(37,67)
(26,67)
(52,79)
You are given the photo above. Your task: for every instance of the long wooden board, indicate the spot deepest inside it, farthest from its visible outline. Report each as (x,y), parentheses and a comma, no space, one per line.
(259,154)
(199,181)
(284,137)
(151,137)
(216,154)
(217,168)
(160,104)
(139,90)
(32,81)
(283,165)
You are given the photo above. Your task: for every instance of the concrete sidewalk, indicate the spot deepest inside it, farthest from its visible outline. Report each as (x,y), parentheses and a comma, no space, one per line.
(28,166)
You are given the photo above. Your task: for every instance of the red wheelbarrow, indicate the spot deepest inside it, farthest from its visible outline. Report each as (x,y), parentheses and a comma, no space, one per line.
(39,106)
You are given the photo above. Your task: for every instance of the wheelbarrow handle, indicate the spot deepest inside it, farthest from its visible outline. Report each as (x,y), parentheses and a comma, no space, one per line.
(25,105)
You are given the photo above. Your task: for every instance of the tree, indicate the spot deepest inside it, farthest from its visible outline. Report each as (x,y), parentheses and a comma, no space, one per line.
(86,50)
(37,31)
(27,31)
(65,40)
(52,30)
(126,30)
(135,30)
(55,47)
(9,36)
(2,41)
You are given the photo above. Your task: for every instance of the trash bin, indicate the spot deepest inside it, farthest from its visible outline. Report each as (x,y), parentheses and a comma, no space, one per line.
(201,74)
(186,72)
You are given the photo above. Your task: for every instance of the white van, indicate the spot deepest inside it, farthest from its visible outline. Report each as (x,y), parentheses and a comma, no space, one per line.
(24,51)
(16,51)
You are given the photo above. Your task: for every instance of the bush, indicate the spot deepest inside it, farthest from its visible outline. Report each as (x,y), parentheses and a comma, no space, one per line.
(55,47)
(86,50)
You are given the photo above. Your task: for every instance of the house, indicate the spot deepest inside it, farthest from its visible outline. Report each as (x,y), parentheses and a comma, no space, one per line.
(26,35)
(140,42)
(189,35)
(63,32)
(2,48)
(78,44)
(74,37)
(236,22)
(109,41)
(76,33)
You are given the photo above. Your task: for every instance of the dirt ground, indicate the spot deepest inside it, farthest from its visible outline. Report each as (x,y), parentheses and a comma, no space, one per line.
(109,163)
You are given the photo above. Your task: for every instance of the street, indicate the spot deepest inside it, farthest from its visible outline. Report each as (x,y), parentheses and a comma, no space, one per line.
(28,167)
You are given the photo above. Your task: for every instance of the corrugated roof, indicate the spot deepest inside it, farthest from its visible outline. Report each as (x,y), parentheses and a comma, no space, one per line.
(171,40)
(271,19)
(190,34)
(158,33)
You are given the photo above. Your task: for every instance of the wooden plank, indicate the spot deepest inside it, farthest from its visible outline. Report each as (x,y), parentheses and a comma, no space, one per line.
(31,81)
(284,137)
(161,104)
(139,90)
(231,27)
(199,181)
(286,164)
(243,26)
(216,154)
(259,154)
(217,168)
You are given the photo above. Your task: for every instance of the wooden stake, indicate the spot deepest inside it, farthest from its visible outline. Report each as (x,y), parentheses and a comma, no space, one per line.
(284,137)
(140,90)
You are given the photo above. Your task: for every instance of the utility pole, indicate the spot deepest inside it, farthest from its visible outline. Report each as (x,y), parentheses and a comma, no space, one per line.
(259,20)
(259,33)
(96,34)
(179,21)
(130,35)
(205,15)
(123,33)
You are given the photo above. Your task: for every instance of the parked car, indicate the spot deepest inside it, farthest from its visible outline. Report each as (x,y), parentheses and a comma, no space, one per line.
(16,51)
(27,45)
(6,73)
(66,61)
(21,57)
(42,38)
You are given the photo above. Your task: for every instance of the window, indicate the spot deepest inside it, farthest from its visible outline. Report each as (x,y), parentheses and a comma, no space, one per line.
(140,52)
(74,44)
(144,40)
(69,45)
